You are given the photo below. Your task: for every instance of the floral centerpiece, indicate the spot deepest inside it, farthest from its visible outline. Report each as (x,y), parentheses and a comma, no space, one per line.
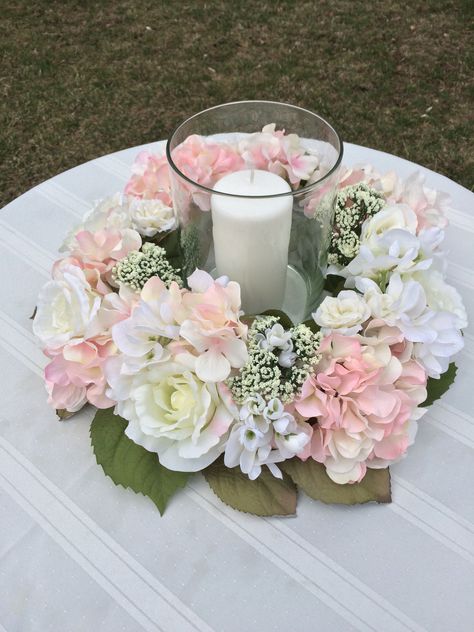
(184,381)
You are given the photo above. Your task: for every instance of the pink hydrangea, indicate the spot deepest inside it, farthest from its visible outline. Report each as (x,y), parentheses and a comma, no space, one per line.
(102,249)
(210,326)
(274,150)
(364,396)
(150,178)
(75,376)
(206,162)
(429,205)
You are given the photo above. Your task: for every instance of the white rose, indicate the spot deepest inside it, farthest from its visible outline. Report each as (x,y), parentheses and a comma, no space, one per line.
(151,216)
(67,308)
(348,455)
(173,413)
(344,314)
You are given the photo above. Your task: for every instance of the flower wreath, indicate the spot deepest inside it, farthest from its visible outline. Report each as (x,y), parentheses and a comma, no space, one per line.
(184,382)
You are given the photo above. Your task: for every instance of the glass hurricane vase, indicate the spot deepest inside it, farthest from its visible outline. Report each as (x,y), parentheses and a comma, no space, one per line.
(244,220)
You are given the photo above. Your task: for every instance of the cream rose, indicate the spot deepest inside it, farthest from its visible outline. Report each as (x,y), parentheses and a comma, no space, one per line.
(343,314)
(67,308)
(173,413)
(149,217)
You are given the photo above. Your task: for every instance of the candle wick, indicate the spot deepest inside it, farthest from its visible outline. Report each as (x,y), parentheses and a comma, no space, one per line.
(252,175)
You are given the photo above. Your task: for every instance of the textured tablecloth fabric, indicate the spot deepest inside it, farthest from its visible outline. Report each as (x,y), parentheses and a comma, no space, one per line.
(79,554)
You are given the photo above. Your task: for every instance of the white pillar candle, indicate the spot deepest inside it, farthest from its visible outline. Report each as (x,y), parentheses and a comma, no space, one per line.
(252,236)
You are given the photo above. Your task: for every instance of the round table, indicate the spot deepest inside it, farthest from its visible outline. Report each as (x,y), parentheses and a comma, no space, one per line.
(79,554)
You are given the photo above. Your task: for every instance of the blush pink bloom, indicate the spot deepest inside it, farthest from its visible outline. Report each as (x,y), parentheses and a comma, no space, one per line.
(282,154)
(429,205)
(206,162)
(102,249)
(150,178)
(75,376)
(364,399)
(92,275)
(210,326)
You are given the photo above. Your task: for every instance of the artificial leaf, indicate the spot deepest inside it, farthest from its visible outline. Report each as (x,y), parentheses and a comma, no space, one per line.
(130,465)
(284,319)
(265,496)
(310,323)
(437,388)
(247,320)
(170,241)
(334,284)
(64,414)
(311,477)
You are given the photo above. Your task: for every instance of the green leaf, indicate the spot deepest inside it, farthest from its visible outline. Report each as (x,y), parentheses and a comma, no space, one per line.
(312,325)
(64,414)
(438,387)
(170,241)
(130,465)
(334,284)
(265,496)
(311,477)
(284,319)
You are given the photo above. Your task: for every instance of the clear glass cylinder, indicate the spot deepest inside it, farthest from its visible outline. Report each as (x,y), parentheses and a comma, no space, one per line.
(238,221)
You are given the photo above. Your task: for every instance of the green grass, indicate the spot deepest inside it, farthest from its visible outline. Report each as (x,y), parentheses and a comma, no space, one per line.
(81,79)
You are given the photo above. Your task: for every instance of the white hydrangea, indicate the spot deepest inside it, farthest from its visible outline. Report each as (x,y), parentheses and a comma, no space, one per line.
(111,212)
(265,434)
(390,244)
(441,296)
(404,305)
(120,212)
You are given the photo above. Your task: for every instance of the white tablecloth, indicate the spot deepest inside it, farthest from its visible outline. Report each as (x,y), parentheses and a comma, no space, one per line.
(79,554)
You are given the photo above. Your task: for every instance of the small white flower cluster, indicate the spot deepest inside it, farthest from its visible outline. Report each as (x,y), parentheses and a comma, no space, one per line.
(354,204)
(265,434)
(279,361)
(140,265)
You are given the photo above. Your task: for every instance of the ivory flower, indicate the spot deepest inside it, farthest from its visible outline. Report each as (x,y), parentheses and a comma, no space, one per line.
(67,309)
(149,217)
(175,414)
(343,314)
